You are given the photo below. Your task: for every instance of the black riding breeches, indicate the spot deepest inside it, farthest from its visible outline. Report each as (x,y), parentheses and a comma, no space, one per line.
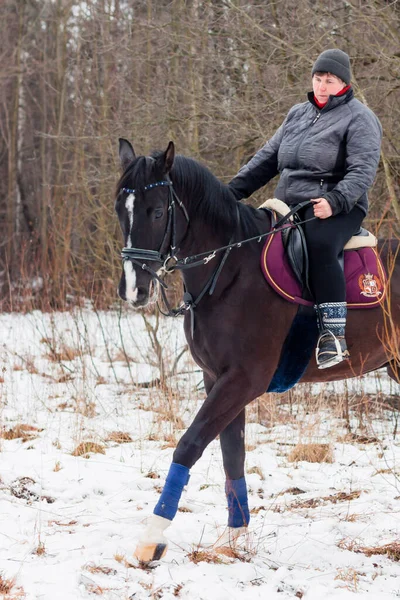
(325,241)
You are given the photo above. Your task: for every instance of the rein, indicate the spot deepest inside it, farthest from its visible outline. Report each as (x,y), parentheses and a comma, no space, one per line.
(281,225)
(138,255)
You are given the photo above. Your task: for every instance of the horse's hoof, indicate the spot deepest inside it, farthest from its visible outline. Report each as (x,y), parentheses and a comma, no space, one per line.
(146,553)
(230,537)
(153,544)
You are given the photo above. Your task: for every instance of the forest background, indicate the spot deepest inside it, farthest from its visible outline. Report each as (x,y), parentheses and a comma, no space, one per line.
(216,76)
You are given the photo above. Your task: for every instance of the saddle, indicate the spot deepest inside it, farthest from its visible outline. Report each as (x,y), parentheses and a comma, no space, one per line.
(364,272)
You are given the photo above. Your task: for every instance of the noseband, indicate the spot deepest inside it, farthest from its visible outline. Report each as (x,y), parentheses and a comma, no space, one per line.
(138,255)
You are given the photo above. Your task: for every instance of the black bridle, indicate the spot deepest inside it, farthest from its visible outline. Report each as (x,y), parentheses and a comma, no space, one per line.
(166,252)
(166,255)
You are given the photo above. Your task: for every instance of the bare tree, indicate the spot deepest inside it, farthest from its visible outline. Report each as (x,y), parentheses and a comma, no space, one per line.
(217,76)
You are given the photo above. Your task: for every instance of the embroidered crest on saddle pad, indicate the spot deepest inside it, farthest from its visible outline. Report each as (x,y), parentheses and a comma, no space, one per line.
(370,285)
(365,276)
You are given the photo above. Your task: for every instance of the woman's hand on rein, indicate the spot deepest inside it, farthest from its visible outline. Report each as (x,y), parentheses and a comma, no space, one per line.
(322,208)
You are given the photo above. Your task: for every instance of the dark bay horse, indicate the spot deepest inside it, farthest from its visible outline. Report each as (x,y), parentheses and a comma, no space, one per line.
(171,208)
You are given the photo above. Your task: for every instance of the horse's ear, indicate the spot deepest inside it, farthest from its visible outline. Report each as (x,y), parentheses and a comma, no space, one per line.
(126,153)
(169,156)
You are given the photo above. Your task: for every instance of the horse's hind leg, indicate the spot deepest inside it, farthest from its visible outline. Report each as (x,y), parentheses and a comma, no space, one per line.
(232,440)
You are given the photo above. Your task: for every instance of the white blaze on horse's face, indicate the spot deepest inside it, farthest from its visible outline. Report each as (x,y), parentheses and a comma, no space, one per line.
(129,204)
(131,290)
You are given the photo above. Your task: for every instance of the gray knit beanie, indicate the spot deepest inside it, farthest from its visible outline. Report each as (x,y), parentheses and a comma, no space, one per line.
(333,61)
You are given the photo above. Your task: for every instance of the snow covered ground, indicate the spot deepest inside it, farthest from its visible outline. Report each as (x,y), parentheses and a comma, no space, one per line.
(70,517)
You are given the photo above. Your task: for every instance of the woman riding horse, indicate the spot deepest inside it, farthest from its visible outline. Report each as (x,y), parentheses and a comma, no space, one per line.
(326,150)
(175,214)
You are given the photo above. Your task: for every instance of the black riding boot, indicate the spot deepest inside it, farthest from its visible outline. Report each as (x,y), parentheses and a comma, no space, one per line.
(331,347)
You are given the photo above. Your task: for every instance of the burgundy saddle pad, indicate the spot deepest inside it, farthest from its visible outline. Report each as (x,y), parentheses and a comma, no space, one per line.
(366,281)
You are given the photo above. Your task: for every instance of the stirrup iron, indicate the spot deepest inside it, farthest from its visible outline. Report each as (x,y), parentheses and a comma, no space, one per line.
(330,350)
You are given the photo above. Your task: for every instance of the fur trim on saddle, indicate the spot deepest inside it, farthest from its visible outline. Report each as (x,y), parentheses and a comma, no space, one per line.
(278,206)
(362,241)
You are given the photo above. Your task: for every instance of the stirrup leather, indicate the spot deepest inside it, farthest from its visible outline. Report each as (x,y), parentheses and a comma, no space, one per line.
(330,350)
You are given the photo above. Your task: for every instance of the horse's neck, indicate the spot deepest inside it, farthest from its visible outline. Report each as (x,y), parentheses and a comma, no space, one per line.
(202,238)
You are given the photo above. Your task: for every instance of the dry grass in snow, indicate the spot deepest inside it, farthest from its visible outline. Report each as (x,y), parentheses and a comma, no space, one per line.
(322,470)
(314,453)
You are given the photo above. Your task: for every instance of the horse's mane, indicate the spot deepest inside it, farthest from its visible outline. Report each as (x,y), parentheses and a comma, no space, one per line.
(210,199)
(207,197)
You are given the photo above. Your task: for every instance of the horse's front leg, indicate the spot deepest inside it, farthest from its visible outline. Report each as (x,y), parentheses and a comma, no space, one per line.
(226,400)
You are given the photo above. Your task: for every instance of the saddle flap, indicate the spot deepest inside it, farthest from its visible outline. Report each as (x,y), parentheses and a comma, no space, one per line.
(296,249)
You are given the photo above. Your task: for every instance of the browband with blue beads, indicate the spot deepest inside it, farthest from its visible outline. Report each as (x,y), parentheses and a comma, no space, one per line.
(150,186)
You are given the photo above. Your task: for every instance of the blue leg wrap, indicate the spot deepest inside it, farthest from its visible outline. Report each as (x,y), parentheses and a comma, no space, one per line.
(238,508)
(177,478)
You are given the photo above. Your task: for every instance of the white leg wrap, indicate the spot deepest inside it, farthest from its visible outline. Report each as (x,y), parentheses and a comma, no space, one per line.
(230,537)
(153,544)
(155,529)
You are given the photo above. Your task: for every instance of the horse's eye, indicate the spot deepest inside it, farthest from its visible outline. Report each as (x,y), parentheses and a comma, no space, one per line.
(158,213)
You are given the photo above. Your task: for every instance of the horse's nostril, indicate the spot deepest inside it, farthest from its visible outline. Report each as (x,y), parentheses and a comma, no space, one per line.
(142,293)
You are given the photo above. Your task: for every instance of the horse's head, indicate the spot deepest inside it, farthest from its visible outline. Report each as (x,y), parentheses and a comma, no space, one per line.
(142,202)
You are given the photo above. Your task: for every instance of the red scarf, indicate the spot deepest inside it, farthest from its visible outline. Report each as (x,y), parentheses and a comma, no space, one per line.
(343,91)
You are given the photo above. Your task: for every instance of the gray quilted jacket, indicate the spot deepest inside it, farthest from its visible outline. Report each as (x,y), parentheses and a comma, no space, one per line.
(331,153)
